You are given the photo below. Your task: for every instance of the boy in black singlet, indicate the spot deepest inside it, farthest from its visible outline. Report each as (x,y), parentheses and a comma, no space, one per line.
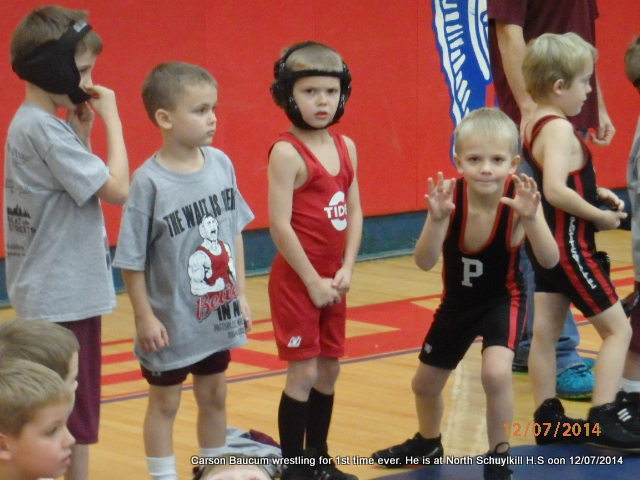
(557,70)
(478,222)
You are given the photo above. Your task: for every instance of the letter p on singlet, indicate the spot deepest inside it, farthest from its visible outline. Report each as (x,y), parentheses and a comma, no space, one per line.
(471,269)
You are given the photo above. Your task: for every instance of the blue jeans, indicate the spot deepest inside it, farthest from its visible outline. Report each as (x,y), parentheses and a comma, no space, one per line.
(566,354)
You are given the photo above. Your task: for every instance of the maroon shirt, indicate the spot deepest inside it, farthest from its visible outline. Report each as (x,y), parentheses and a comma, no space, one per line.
(537,17)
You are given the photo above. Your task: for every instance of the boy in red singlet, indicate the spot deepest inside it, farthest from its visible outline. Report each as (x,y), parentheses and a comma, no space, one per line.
(557,70)
(316,225)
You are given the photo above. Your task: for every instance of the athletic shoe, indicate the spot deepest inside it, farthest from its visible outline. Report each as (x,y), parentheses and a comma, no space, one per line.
(416,451)
(550,420)
(575,383)
(331,472)
(614,423)
(631,401)
(298,472)
(325,467)
(496,468)
(589,362)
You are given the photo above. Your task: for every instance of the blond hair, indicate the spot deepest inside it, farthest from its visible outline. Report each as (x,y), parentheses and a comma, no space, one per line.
(490,123)
(42,342)
(26,388)
(167,82)
(552,57)
(49,23)
(632,62)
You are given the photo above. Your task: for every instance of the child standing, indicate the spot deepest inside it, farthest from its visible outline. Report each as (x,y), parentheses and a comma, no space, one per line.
(181,251)
(34,407)
(557,70)
(58,266)
(316,225)
(478,222)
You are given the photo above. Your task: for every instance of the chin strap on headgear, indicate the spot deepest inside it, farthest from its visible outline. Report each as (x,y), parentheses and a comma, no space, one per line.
(282,87)
(52,65)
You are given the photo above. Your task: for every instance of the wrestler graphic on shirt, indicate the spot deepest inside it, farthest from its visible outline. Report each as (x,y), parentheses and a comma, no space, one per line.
(211,265)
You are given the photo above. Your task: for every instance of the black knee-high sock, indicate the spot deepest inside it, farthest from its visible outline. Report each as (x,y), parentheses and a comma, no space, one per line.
(292,420)
(319,419)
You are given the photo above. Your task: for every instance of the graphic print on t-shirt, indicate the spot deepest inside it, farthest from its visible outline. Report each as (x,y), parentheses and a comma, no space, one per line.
(211,270)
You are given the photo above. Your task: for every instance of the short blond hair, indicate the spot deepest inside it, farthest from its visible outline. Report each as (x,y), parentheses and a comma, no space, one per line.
(49,23)
(632,62)
(490,123)
(42,342)
(552,57)
(313,56)
(26,388)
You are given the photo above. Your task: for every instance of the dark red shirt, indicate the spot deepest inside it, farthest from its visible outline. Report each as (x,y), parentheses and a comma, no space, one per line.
(537,17)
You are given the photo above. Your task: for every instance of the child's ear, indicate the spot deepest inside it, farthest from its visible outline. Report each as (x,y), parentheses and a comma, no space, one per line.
(514,163)
(5,451)
(456,160)
(163,119)
(559,85)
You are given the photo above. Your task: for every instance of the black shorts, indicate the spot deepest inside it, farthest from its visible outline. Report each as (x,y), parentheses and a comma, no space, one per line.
(215,363)
(583,278)
(455,328)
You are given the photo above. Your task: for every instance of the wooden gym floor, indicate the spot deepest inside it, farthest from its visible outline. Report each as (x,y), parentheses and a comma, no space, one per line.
(390,305)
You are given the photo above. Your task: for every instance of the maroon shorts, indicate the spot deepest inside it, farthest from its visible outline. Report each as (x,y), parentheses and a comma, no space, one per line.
(85,417)
(216,363)
(302,330)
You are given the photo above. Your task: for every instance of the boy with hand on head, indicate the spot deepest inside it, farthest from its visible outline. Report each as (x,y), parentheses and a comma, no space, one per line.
(316,225)
(58,264)
(42,342)
(557,70)
(34,407)
(478,222)
(181,251)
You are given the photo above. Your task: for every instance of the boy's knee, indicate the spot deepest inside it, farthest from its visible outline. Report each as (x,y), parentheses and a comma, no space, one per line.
(166,406)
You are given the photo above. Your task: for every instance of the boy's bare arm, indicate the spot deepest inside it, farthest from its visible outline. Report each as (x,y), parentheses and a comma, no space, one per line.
(241,284)
(152,335)
(439,199)
(116,188)
(283,168)
(342,280)
(554,146)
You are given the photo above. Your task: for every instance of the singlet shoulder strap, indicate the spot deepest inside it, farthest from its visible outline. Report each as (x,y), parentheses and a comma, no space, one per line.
(537,127)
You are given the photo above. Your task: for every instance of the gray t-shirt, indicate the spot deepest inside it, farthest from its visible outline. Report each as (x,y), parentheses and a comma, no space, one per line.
(180,229)
(58,264)
(633,182)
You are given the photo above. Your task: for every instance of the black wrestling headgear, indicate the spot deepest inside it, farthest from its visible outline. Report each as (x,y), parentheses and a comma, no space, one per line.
(52,65)
(282,87)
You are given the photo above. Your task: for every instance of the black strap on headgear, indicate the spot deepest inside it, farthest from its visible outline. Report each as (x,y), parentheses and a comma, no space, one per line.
(52,65)
(282,87)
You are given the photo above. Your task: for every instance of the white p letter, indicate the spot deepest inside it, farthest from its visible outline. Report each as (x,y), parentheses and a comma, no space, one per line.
(472,269)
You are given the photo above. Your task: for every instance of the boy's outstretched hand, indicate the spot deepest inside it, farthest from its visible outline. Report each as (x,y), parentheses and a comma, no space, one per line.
(439,197)
(526,198)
